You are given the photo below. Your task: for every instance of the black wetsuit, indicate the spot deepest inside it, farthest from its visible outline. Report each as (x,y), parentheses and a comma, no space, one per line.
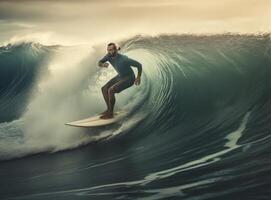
(122,64)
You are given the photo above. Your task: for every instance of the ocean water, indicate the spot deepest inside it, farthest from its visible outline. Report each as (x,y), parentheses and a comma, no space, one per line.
(198,126)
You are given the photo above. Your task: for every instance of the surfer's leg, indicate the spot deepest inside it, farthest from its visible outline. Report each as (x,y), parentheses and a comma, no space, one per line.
(105,89)
(106,98)
(112,100)
(124,83)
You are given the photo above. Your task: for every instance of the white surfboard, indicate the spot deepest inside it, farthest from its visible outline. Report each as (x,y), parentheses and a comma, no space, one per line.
(97,121)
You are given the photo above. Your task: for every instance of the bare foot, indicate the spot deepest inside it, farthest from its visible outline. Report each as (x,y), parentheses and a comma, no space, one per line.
(103,113)
(108,115)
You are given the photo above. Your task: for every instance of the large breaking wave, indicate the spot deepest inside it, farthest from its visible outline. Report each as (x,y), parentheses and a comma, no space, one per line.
(193,87)
(200,116)
(204,101)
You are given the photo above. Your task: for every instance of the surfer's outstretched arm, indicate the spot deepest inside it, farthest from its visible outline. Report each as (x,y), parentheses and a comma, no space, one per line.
(102,62)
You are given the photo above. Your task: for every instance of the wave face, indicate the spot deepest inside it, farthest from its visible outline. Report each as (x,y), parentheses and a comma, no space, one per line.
(198,128)
(19,66)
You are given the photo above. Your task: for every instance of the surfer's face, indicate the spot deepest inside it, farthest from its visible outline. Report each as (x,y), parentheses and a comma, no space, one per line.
(112,50)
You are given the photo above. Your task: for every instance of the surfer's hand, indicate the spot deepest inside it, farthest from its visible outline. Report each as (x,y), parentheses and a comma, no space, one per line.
(105,64)
(137,80)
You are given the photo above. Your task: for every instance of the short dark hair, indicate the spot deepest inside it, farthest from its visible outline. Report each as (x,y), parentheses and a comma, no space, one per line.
(115,46)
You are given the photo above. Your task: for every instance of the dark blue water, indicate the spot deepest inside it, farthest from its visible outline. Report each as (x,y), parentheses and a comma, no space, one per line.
(198,126)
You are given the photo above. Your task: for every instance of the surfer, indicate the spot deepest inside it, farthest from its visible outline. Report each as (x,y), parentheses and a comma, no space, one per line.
(123,80)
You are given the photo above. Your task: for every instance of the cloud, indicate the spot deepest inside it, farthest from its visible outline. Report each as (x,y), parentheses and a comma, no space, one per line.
(102,18)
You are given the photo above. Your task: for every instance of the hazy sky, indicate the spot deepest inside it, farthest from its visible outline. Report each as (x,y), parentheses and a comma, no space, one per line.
(83,21)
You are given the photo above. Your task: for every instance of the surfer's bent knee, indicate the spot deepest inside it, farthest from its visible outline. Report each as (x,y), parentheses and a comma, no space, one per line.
(104,88)
(112,90)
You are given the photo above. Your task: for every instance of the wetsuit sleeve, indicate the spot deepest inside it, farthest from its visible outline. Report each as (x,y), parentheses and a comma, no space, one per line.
(135,63)
(104,59)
